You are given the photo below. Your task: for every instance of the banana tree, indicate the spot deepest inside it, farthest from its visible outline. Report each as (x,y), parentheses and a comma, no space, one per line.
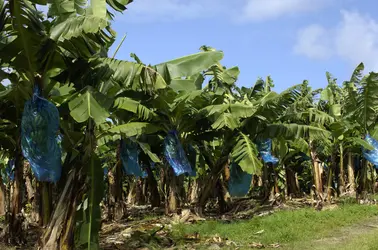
(174,108)
(360,117)
(50,48)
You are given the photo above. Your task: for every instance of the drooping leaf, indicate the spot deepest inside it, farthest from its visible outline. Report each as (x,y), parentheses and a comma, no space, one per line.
(90,104)
(292,131)
(189,65)
(128,74)
(230,75)
(367,101)
(225,120)
(191,83)
(135,129)
(135,107)
(99,8)
(245,154)
(76,26)
(147,150)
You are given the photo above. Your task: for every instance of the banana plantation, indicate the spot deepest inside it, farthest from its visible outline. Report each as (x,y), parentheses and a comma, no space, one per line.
(85,137)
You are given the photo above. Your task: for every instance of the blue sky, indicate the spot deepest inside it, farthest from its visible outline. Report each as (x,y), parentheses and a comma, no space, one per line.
(291,40)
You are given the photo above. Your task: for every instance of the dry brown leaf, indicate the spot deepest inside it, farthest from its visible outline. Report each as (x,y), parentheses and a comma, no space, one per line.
(195,236)
(217,239)
(274,245)
(256,245)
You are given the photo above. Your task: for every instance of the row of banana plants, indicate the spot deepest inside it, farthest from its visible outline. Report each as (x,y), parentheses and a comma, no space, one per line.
(103,102)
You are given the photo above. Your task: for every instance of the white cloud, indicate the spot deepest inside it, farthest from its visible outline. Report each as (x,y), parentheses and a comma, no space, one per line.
(354,39)
(261,10)
(313,42)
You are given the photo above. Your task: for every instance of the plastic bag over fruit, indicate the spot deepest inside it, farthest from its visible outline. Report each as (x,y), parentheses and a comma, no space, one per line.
(265,147)
(130,160)
(371,155)
(239,182)
(175,154)
(40,141)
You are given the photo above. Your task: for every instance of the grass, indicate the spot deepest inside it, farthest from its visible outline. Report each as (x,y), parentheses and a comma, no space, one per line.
(368,242)
(283,227)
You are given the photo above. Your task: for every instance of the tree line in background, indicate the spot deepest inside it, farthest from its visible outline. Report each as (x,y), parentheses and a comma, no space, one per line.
(107,107)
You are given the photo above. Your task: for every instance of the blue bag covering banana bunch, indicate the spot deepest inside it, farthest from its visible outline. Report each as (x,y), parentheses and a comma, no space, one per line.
(130,160)
(265,148)
(175,154)
(371,155)
(40,141)
(239,182)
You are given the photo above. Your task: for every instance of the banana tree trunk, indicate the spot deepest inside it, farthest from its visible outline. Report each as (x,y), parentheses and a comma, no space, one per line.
(15,233)
(224,197)
(131,197)
(46,202)
(316,170)
(194,191)
(3,192)
(153,188)
(255,181)
(331,173)
(116,205)
(59,233)
(33,195)
(351,179)
(172,201)
(275,179)
(292,186)
(181,188)
(139,193)
(341,185)
(372,178)
(210,182)
(265,181)
(163,184)
(329,182)
(30,191)
(362,185)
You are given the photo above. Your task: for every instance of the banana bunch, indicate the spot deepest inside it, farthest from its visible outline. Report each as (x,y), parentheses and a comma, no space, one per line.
(40,142)
(175,154)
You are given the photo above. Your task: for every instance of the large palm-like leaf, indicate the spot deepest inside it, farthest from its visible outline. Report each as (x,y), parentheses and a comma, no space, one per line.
(292,131)
(245,154)
(135,107)
(367,101)
(188,65)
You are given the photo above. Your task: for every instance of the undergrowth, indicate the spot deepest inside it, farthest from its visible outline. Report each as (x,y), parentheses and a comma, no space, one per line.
(282,227)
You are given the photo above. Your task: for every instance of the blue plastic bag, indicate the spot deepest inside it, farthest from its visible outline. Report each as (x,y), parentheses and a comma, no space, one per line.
(239,182)
(371,155)
(130,160)
(40,141)
(175,154)
(265,148)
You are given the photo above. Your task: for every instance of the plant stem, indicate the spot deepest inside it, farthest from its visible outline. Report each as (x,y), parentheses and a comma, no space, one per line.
(119,46)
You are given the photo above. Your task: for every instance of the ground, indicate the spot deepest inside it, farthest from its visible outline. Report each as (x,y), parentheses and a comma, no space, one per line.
(342,226)
(337,226)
